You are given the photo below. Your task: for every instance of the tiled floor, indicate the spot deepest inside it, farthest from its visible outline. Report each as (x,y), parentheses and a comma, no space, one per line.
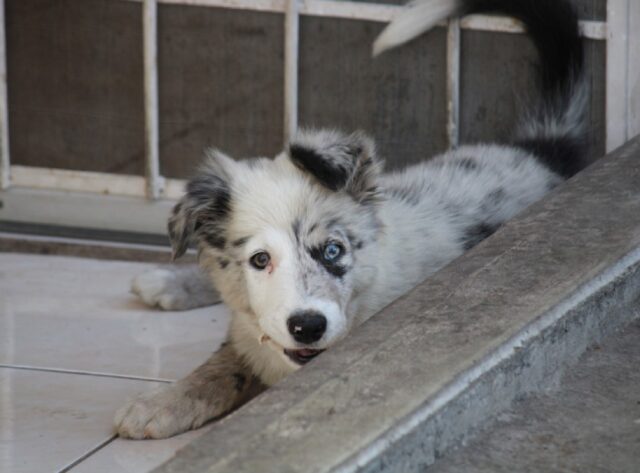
(74,345)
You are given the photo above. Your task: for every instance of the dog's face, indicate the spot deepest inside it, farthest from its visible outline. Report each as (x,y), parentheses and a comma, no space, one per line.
(285,239)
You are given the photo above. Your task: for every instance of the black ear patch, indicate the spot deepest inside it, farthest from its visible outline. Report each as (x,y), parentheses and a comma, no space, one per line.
(338,161)
(200,214)
(330,172)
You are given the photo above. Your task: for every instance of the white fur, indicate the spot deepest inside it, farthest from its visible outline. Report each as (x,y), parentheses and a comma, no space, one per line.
(420,16)
(265,357)
(174,289)
(161,413)
(158,288)
(564,122)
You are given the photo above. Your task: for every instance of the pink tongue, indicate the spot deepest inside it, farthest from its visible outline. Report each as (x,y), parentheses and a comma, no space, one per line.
(306,352)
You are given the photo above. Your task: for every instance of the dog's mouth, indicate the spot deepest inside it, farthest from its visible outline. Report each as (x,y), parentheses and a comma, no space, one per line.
(303,355)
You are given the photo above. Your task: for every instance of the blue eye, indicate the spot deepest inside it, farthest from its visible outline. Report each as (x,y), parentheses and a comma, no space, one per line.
(332,251)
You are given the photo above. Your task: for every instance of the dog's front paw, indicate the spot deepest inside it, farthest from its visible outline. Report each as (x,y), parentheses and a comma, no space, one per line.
(161,414)
(175,288)
(160,288)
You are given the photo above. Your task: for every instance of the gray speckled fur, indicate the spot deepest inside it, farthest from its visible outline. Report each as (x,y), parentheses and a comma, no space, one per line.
(392,243)
(395,229)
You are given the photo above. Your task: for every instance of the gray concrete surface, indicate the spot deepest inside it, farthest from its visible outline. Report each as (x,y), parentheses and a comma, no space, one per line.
(498,323)
(591,424)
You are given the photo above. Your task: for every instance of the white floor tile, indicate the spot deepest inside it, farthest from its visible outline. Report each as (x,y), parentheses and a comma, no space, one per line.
(136,456)
(48,420)
(78,314)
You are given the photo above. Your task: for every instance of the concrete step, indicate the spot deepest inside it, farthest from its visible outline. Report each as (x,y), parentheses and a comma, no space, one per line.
(591,423)
(502,322)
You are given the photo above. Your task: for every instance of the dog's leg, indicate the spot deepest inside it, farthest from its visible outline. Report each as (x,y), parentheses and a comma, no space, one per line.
(218,386)
(175,288)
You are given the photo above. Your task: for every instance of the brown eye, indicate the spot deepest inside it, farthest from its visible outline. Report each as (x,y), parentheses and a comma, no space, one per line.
(260,260)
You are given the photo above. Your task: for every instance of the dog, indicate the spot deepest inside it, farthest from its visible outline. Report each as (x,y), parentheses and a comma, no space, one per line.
(304,247)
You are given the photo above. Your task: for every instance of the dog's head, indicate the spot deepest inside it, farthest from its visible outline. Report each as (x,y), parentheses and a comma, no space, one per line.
(285,239)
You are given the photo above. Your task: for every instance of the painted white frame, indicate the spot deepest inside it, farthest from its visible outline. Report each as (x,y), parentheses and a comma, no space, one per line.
(291,53)
(5,164)
(620,31)
(623,71)
(153,179)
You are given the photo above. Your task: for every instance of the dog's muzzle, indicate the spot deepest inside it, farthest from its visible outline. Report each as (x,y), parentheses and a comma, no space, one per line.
(303,355)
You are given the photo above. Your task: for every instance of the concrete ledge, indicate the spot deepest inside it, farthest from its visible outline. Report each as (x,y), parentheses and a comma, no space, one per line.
(589,424)
(496,324)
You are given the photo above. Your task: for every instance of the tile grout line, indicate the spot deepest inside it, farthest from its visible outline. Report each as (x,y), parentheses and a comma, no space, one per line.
(85,373)
(87,454)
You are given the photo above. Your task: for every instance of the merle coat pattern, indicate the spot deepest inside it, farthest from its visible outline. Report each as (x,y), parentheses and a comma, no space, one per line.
(306,246)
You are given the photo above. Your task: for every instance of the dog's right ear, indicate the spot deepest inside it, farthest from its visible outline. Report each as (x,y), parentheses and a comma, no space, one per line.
(338,161)
(201,212)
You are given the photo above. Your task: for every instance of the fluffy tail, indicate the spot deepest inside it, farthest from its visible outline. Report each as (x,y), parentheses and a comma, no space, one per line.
(555,129)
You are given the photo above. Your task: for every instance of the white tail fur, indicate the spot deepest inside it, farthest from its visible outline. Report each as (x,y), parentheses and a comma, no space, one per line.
(418,17)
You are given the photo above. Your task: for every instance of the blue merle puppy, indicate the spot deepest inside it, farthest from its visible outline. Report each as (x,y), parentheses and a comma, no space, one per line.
(306,246)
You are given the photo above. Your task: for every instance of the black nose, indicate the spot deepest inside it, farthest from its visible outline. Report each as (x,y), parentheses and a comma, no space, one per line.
(307,326)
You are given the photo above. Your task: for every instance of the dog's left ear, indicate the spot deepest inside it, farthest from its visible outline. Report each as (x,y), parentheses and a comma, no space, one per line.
(203,210)
(339,162)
